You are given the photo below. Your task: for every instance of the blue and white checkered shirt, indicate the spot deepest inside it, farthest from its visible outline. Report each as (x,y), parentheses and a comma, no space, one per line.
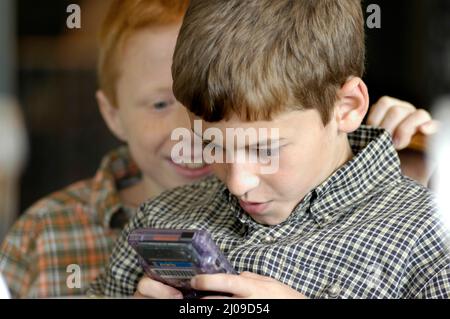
(365,232)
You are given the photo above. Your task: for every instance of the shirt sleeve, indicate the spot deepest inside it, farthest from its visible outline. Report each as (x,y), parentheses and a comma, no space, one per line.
(438,287)
(16,254)
(428,270)
(123,272)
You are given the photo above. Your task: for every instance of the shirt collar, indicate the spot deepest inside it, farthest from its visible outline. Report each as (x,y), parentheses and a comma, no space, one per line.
(374,166)
(117,171)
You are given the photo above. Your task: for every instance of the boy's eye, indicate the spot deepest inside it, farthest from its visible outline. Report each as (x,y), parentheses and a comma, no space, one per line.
(267,151)
(205,143)
(162,104)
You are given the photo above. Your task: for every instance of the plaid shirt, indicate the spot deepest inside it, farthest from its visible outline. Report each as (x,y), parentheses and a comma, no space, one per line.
(365,232)
(75,226)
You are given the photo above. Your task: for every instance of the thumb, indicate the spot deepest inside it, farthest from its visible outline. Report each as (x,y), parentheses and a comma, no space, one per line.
(252,275)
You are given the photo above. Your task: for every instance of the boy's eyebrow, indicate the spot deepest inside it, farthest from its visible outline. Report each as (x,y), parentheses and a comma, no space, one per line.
(156,90)
(147,96)
(269,141)
(162,89)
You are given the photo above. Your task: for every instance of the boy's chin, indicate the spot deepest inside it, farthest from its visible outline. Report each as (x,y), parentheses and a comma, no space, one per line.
(269,217)
(268,220)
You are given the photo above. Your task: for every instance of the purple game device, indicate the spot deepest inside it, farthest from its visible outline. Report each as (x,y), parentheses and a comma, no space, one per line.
(175,256)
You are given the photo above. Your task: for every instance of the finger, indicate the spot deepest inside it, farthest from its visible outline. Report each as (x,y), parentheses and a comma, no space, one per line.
(394,117)
(217,297)
(249,274)
(430,127)
(154,289)
(408,127)
(252,275)
(232,284)
(379,110)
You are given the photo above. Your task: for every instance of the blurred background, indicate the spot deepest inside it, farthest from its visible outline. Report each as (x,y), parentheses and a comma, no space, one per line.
(50,71)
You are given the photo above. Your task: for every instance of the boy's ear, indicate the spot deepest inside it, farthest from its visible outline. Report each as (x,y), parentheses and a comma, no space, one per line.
(110,114)
(352,105)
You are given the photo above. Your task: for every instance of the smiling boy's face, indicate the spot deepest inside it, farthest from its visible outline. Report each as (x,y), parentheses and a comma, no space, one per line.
(309,152)
(147,111)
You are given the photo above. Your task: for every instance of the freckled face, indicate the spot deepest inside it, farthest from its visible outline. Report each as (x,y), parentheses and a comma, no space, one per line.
(148,110)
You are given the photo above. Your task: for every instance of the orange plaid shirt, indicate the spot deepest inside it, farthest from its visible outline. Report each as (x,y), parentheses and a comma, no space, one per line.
(64,241)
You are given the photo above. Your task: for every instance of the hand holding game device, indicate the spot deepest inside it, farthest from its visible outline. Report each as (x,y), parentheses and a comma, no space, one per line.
(173,257)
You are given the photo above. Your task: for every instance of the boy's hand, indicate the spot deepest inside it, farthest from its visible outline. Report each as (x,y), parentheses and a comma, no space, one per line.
(149,288)
(401,119)
(246,285)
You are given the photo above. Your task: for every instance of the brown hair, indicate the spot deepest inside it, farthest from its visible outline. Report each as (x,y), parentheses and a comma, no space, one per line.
(256,58)
(124,18)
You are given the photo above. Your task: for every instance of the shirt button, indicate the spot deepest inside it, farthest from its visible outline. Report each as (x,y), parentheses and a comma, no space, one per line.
(334,291)
(268,240)
(326,219)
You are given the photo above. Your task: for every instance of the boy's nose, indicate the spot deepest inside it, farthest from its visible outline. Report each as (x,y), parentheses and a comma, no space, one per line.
(240,179)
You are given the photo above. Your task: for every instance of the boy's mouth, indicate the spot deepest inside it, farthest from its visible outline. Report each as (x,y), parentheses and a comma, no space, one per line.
(191,170)
(254,207)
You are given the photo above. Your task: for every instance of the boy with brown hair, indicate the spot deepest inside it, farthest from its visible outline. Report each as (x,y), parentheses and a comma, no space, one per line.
(337,219)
